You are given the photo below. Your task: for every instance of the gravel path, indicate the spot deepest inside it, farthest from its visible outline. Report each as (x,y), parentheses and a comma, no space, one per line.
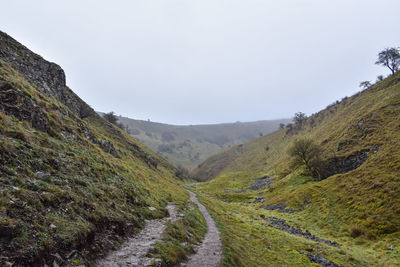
(133,251)
(209,252)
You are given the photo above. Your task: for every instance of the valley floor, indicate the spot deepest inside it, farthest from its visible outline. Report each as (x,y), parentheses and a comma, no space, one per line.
(254,234)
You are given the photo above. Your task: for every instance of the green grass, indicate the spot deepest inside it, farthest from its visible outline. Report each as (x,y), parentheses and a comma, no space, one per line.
(87,192)
(247,242)
(377,107)
(359,209)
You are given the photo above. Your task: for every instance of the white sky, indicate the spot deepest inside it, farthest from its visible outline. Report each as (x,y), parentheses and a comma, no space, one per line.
(208,61)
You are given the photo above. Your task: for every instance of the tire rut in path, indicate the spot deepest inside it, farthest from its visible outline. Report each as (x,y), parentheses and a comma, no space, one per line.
(133,251)
(209,252)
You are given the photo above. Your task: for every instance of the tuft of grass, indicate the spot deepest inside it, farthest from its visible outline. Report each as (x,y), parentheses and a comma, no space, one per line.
(356,231)
(179,237)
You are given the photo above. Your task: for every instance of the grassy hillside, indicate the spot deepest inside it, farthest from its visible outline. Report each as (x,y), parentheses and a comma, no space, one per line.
(358,207)
(71,184)
(188,146)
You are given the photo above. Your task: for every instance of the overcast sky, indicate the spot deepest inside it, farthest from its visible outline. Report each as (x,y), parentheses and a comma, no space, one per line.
(208,61)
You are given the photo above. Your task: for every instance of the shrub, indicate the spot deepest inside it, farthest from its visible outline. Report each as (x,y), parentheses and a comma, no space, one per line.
(112,118)
(306,154)
(299,119)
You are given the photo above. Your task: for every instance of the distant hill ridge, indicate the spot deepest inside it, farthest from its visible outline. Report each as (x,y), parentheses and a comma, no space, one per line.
(188,145)
(349,127)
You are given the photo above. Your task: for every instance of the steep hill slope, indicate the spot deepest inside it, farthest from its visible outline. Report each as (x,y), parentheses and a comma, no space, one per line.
(71,184)
(357,205)
(353,124)
(188,146)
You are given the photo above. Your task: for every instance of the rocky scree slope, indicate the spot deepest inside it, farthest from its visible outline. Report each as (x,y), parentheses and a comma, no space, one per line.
(71,184)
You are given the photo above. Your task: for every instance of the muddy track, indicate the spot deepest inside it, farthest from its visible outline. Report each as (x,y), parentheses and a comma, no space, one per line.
(209,252)
(133,252)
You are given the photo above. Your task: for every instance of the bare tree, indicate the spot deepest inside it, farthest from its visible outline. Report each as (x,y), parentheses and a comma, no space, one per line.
(299,118)
(390,58)
(365,84)
(306,154)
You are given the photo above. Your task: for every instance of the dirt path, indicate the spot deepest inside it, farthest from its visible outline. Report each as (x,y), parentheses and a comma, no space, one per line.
(133,251)
(209,252)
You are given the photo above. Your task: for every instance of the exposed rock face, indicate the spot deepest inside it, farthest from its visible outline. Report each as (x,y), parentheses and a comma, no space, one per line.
(46,76)
(345,164)
(49,78)
(15,103)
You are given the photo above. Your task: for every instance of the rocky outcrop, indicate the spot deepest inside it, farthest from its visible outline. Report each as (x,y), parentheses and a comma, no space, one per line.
(48,77)
(261,183)
(319,260)
(340,165)
(17,104)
